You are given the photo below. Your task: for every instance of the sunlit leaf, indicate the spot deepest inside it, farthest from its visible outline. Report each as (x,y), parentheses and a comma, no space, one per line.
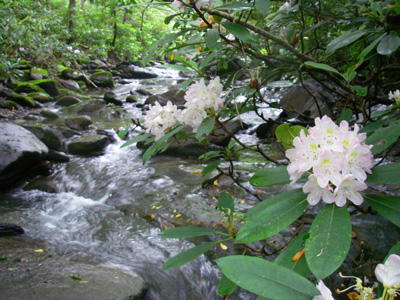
(285,134)
(387,206)
(226,204)
(344,40)
(265,278)
(210,168)
(329,241)
(389,44)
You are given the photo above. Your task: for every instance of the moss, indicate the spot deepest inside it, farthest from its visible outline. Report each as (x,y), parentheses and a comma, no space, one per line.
(82,84)
(28,87)
(43,72)
(24,101)
(41,97)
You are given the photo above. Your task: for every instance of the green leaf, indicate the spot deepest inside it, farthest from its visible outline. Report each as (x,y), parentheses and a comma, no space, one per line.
(394,250)
(226,204)
(344,40)
(270,176)
(329,241)
(383,138)
(210,167)
(285,134)
(271,216)
(371,127)
(241,32)
(185,232)
(122,133)
(389,44)
(370,47)
(346,115)
(178,67)
(263,6)
(137,139)
(286,256)
(75,277)
(265,278)
(212,37)
(321,67)
(385,174)
(226,286)
(387,206)
(205,128)
(188,255)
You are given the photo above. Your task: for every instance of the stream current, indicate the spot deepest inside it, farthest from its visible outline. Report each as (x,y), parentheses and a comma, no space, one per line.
(100,208)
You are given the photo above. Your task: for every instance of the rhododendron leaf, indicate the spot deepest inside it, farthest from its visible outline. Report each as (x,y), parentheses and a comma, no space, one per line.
(394,250)
(235,6)
(385,174)
(210,167)
(206,126)
(344,40)
(295,246)
(188,255)
(241,32)
(383,138)
(211,38)
(226,204)
(329,241)
(346,115)
(271,216)
(388,45)
(321,67)
(266,278)
(185,232)
(137,139)
(226,286)
(286,133)
(387,206)
(263,6)
(270,176)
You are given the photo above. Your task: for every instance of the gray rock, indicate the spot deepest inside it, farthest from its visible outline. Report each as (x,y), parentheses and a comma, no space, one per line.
(20,150)
(173,95)
(298,100)
(67,101)
(103,79)
(70,73)
(110,97)
(79,122)
(88,145)
(48,276)
(48,135)
(57,156)
(131,72)
(49,114)
(22,100)
(143,92)
(131,99)
(8,229)
(70,85)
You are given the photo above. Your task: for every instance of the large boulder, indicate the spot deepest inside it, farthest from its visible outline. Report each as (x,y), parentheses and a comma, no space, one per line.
(20,151)
(132,72)
(51,86)
(88,145)
(78,122)
(299,101)
(27,87)
(173,94)
(103,79)
(51,137)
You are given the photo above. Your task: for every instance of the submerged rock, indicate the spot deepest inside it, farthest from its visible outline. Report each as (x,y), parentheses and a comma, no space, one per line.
(88,145)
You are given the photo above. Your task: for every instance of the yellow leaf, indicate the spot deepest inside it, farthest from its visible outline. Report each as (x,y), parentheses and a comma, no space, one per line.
(164,227)
(171,57)
(216,182)
(153,207)
(39,250)
(214,198)
(158,207)
(174,211)
(223,247)
(178,216)
(243,201)
(151,216)
(196,172)
(259,191)
(353,296)
(298,255)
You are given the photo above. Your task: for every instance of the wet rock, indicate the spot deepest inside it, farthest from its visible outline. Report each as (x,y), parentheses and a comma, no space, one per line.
(67,101)
(27,87)
(48,135)
(110,97)
(70,73)
(24,101)
(49,114)
(70,85)
(79,122)
(88,145)
(5,104)
(47,276)
(131,99)
(103,79)
(57,156)
(8,229)
(297,100)
(51,86)
(41,97)
(38,73)
(132,72)
(173,95)
(20,150)
(143,92)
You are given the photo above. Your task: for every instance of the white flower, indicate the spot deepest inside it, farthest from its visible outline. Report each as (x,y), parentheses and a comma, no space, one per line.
(193,116)
(349,188)
(316,192)
(395,96)
(389,272)
(326,294)
(160,119)
(284,7)
(76,51)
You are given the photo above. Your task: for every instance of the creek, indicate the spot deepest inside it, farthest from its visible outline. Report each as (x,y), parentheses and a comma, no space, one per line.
(103,208)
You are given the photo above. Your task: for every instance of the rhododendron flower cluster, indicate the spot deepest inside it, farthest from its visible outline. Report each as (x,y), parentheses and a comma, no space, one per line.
(395,96)
(337,160)
(180,4)
(200,99)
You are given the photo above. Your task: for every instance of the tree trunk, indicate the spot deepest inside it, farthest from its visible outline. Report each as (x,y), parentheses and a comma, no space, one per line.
(71,13)
(83,5)
(115,28)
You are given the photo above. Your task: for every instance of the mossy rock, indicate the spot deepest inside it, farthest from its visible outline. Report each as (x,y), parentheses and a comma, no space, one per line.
(51,86)
(38,73)
(69,73)
(82,84)
(88,145)
(14,104)
(41,97)
(66,92)
(49,114)
(103,79)
(28,87)
(67,101)
(22,100)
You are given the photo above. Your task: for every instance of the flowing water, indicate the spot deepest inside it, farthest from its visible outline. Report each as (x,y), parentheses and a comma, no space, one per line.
(100,208)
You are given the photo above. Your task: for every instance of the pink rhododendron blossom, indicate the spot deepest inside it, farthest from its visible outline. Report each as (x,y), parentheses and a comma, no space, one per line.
(161,118)
(389,272)
(326,294)
(337,159)
(395,96)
